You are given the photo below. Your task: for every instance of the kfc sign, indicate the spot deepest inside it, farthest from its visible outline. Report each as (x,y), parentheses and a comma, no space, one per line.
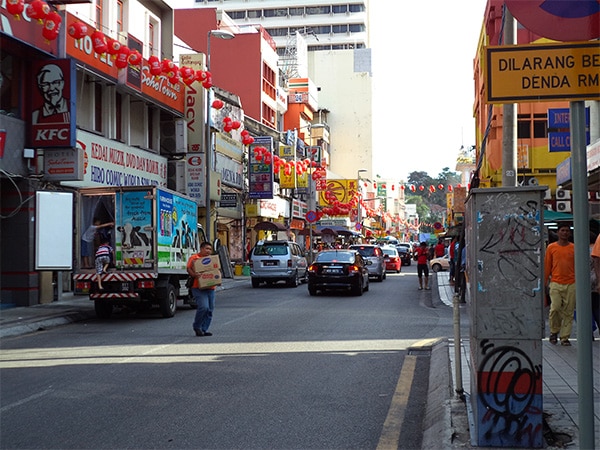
(53,104)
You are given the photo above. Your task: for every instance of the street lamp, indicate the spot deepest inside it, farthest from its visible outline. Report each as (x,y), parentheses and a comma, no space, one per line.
(358,211)
(226,35)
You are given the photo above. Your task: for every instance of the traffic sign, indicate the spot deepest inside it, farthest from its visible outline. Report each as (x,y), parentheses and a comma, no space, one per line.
(311,216)
(522,73)
(559,20)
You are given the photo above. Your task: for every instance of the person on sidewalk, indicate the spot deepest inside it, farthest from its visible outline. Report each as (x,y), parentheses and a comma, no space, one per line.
(440,248)
(422,257)
(595,280)
(451,251)
(559,276)
(205,297)
(103,258)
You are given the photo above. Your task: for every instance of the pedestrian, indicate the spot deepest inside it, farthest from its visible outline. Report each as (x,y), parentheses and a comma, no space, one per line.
(103,259)
(559,275)
(595,280)
(90,240)
(440,248)
(451,251)
(204,297)
(422,257)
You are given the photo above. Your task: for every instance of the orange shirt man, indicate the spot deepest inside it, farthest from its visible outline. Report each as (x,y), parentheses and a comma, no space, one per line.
(559,273)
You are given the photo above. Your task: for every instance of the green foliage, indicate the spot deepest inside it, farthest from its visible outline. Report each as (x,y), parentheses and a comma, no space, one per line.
(431,206)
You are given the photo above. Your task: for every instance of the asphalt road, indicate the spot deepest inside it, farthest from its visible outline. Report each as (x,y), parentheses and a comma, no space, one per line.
(283,370)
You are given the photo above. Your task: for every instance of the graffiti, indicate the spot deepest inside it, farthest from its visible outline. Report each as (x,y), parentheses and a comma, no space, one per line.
(509,396)
(512,250)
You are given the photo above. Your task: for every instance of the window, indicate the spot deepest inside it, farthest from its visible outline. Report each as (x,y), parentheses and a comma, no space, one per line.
(339,9)
(237,15)
(523,126)
(323,29)
(99,21)
(119,117)
(357,8)
(280,12)
(296,11)
(98,107)
(255,14)
(540,126)
(150,38)
(356,27)
(318,9)
(120,26)
(339,28)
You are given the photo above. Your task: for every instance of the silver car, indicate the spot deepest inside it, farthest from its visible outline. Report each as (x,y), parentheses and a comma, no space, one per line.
(374,254)
(273,261)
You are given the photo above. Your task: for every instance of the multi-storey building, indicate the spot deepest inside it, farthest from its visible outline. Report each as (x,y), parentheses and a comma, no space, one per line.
(109,120)
(328,43)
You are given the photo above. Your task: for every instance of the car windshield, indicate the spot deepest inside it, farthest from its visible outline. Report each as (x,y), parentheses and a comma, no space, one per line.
(271,249)
(402,250)
(390,251)
(367,251)
(343,257)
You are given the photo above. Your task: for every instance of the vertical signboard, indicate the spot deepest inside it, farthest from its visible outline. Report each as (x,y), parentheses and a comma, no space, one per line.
(260,174)
(53,104)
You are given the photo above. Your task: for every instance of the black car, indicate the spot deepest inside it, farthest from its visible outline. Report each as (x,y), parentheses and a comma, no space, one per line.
(405,255)
(338,270)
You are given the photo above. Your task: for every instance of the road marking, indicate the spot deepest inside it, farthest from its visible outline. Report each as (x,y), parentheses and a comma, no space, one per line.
(390,435)
(25,400)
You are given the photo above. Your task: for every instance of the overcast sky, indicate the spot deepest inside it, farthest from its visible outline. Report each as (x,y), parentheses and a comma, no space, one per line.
(423,90)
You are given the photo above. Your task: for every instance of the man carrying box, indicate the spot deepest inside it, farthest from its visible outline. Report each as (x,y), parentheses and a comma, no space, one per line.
(199,267)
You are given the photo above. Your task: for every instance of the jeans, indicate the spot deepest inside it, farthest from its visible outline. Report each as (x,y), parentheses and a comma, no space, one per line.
(205,299)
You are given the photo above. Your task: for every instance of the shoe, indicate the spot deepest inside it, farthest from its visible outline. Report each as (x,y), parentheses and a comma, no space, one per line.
(207,333)
(199,332)
(420,288)
(427,288)
(565,343)
(553,338)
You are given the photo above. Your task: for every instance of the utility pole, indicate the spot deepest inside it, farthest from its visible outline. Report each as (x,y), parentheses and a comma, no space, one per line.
(509,120)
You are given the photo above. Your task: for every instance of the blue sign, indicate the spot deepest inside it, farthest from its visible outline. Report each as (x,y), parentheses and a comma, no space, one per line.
(560,141)
(561,118)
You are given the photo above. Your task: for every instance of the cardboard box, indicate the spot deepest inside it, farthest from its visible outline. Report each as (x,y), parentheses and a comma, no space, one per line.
(209,278)
(207,263)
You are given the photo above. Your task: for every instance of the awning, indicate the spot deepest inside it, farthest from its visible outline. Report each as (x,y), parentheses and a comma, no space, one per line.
(306,232)
(270,226)
(555,216)
(336,229)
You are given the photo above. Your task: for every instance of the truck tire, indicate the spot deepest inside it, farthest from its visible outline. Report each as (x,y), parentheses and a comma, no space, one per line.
(168,301)
(103,309)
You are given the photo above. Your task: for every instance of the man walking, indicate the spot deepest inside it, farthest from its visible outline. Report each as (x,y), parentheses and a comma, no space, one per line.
(422,257)
(559,275)
(205,297)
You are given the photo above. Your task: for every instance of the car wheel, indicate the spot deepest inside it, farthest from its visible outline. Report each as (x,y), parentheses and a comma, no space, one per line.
(312,291)
(294,281)
(436,268)
(366,285)
(255,282)
(168,301)
(357,290)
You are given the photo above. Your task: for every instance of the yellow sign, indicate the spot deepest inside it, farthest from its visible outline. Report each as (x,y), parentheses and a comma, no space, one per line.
(530,73)
(340,189)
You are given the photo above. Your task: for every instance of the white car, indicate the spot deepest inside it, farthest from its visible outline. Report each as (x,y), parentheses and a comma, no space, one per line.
(441,263)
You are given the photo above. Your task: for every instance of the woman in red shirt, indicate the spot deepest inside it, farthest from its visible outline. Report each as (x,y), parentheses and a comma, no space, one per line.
(422,257)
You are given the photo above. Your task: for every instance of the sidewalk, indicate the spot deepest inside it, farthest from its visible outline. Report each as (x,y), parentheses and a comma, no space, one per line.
(560,397)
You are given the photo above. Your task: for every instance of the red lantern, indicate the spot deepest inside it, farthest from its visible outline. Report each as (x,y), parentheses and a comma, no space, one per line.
(37,10)
(186,72)
(402,187)
(99,42)
(51,26)
(449,188)
(155,68)
(122,57)
(432,188)
(112,46)
(218,104)
(77,30)
(421,188)
(135,58)
(15,7)
(207,84)
(174,79)
(441,187)
(236,125)
(412,188)
(169,68)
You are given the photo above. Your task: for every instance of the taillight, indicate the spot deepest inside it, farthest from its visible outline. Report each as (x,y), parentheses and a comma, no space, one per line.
(353,269)
(312,268)
(289,263)
(146,284)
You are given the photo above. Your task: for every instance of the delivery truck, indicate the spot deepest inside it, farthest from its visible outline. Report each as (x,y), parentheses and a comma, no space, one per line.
(153,231)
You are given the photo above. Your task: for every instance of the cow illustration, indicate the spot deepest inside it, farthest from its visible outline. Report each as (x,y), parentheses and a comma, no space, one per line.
(136,245)
(184,240)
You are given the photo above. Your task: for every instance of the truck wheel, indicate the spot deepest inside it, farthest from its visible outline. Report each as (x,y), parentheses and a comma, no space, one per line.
(103,309)
(168,302)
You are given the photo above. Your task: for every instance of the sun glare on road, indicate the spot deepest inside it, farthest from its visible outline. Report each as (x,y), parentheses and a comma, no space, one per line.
(186,352)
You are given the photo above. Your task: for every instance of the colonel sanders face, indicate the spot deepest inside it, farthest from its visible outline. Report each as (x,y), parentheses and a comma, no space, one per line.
(51,83)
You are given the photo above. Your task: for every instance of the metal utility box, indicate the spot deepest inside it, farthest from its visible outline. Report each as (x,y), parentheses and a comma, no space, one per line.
(505,255)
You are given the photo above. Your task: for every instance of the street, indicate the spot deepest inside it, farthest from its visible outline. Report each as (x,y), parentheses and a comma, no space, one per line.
(282,370)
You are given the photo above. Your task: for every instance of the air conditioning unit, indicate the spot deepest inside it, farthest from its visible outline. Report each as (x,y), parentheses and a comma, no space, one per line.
(173,137)
(533,181)
(548,194)
(563,194)
(177,179)
(563,206)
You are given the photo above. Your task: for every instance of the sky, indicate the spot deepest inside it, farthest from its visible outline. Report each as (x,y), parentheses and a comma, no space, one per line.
(423,93)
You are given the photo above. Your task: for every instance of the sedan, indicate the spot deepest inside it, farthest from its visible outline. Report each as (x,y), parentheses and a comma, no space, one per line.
(441,263)
(405,255)
(392,259)
(338,270)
